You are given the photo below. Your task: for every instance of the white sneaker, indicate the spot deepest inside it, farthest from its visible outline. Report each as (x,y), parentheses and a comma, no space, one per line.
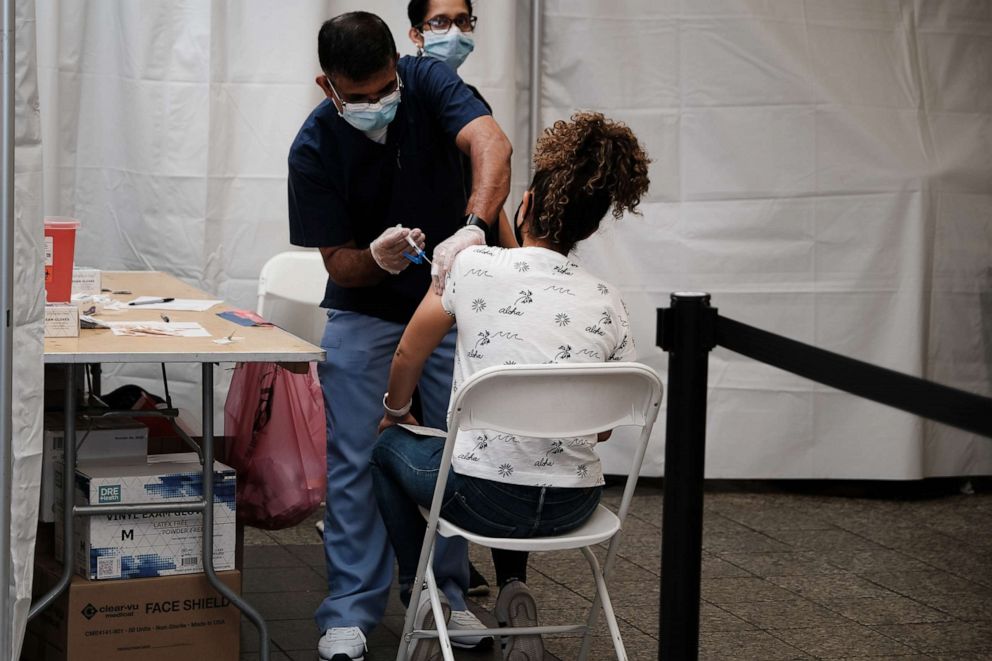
(342,644)
(427,649)
(460,628)
(515,607)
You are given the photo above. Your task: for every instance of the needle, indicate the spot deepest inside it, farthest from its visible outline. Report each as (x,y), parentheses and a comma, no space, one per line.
(419,251)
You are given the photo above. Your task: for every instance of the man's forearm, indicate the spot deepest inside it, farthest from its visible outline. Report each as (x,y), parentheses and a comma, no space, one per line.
(352,267)
(490,177)
(489,150)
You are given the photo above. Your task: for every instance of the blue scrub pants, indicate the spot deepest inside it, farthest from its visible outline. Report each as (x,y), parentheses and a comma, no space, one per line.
(359,558)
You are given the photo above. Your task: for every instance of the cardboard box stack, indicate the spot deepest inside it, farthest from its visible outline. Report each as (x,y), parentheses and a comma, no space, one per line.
(164,606)
(154,544)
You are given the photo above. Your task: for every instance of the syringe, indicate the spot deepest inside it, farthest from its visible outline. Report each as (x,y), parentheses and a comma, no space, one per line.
(419,256)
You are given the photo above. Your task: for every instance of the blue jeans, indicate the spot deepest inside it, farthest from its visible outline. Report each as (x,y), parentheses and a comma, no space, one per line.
(404,472)
(356,548)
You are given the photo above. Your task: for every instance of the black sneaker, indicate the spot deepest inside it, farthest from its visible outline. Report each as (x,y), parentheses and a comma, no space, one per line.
(478,586)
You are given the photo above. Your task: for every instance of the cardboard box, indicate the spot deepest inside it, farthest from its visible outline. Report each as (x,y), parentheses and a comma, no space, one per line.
(155,544)
(61,320)
(86,281)
(102,438)
(173,444)
(146,619)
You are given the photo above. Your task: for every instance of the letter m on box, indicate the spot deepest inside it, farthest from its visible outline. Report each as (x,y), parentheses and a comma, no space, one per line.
(109,493)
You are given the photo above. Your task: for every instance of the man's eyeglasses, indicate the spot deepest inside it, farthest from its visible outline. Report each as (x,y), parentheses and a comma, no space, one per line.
(441,24)
(365,102)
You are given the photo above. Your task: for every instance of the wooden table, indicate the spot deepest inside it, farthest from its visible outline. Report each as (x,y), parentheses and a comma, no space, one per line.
(258,344)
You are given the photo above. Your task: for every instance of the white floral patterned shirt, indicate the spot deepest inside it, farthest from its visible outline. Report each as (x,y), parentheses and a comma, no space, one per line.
(530,306)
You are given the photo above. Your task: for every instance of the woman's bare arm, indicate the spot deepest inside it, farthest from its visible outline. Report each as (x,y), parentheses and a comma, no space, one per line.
(426,330)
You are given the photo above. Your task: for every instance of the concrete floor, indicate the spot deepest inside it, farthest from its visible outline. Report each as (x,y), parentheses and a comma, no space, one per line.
(804,570)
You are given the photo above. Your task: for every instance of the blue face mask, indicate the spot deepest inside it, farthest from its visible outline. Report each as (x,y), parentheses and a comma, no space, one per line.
(372,116)
(451,48)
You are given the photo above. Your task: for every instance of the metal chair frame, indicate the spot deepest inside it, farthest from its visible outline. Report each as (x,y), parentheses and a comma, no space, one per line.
(543,401)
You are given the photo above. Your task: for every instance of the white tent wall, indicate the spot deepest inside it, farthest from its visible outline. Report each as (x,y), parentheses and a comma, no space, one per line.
(821,167)
(28,312)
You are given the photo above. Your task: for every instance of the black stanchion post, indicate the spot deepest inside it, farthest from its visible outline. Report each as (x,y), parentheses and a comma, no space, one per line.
(687,332)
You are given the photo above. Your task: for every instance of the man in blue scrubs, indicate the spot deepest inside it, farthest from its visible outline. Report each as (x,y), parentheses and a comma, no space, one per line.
(375,164)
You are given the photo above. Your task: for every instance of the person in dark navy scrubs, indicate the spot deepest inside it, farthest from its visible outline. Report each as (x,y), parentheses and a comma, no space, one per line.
(376,165)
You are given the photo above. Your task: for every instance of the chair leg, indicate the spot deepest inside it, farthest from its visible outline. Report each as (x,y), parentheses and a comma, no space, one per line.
(602,597)
(411,614)
(442,626)
(411,609)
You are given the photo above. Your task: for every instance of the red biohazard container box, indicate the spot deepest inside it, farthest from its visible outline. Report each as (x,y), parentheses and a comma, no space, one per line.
(60,246)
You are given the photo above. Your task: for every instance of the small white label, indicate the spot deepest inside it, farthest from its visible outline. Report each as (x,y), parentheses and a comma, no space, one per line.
(61,321)
(49,251)
(190,561)
(85,281)
(108,566)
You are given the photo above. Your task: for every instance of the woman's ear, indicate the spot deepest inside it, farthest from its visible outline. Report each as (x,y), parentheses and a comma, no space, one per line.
(417,37)
(526,210)
(510,235)
(525,214)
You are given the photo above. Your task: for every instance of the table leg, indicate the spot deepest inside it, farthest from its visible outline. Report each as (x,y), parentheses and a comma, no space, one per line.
(96,371)
(207,382)
(68,494)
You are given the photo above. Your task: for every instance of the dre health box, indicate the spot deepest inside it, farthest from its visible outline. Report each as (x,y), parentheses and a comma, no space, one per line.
(98,438)
(155,544)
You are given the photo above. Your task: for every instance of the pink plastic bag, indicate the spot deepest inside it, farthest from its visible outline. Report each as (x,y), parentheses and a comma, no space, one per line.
(275,421)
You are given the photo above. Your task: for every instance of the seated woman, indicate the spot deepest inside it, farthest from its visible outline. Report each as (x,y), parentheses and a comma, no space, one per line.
(525,305)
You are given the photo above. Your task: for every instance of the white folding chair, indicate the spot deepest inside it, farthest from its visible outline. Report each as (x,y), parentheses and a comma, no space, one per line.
(543,401)
(290,289)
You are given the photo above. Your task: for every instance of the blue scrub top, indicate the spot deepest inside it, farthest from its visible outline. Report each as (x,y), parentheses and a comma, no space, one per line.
(345,187)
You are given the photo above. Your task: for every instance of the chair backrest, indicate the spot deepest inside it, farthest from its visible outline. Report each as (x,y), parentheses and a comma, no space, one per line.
(290,289)
(557,401)
(551,401)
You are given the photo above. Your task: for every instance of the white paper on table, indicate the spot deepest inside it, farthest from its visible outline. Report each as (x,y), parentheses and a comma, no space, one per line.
(92,298)
(188,304)
(158,328)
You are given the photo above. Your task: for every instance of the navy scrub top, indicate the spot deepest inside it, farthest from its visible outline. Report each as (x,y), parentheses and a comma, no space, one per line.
(345,187)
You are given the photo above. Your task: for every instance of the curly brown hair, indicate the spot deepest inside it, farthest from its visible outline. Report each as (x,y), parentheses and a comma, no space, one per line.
(581,168)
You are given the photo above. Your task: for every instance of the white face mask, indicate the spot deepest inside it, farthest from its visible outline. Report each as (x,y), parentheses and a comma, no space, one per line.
(451,47)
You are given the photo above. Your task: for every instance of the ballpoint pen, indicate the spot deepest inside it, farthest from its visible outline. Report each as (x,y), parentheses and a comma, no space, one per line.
(152,301)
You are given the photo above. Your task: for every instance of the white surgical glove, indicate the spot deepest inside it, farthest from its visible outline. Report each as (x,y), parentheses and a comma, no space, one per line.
(444,253)
(387,250)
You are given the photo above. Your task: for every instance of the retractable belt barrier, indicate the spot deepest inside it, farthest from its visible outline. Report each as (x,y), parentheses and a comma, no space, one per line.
(954,407)
(688,330)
